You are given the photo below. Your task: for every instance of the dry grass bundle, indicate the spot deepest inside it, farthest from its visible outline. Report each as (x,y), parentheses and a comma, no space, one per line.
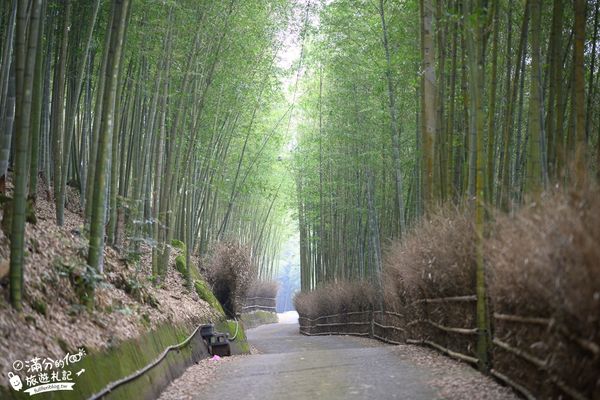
(230,272)
(545,261)
(436,260)
(263,289)
(335,298)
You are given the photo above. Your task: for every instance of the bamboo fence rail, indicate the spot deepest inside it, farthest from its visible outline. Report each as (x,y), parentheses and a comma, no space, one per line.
(381,329)
(268,304)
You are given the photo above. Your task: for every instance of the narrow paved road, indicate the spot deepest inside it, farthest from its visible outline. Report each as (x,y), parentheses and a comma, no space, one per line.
(292,366)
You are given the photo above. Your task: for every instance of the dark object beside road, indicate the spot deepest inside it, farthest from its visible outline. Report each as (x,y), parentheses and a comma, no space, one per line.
(218,343)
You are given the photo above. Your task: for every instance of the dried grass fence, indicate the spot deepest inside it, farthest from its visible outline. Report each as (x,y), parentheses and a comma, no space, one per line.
(527,352)
(259,303)
(543,281)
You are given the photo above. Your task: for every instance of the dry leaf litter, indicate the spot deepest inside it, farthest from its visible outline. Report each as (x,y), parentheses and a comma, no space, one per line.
(66,326)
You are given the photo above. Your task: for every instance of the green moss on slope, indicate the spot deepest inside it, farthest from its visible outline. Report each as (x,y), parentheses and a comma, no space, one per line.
(207,295)
(104,367)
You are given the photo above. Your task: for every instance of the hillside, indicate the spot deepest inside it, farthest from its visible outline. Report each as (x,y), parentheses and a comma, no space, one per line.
(55,319)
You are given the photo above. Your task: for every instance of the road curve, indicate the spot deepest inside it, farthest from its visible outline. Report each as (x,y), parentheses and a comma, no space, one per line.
(291,366)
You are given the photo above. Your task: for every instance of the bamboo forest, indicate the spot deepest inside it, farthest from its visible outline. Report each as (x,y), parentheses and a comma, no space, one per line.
(267,199)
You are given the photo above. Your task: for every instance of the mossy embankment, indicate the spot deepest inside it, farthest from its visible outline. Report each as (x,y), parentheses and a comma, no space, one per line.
(257,318)
(134,318)
(207,295)
(132,323)
(126,358)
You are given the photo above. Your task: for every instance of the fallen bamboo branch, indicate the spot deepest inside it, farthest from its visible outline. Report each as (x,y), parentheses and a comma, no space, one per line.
(468,298)
(389,327)
(521,353)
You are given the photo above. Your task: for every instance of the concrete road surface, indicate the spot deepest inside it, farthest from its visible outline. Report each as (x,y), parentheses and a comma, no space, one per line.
(291,366)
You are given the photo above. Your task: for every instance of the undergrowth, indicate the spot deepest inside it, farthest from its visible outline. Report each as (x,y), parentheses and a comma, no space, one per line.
(230,273)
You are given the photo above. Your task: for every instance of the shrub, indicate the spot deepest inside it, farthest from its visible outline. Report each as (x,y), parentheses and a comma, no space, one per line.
(334,298)
(437,259)
(265,289)
(545,261)
(230,272)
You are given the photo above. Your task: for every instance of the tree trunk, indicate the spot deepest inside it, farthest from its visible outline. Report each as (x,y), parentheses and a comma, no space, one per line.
(578,101)
(71,113)
(58,118)
(7,95)
(395,131)
(555,87)
(475,49)
(428,102)
(536,166)
(113,54)
(25,61)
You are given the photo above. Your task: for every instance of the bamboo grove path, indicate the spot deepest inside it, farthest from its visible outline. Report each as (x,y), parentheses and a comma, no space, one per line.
(292,366)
